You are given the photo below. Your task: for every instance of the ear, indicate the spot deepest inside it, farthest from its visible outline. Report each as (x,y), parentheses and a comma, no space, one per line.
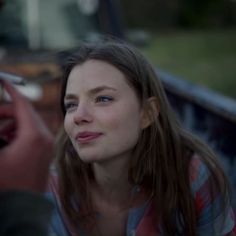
(150,112)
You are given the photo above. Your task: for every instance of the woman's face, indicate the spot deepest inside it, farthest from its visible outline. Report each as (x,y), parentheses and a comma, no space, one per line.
(103,115)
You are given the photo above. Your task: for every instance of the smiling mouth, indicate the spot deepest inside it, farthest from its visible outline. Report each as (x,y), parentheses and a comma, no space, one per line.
(83,139)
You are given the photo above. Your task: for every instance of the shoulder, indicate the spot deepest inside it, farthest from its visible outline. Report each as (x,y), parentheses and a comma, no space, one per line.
(57,225)
(205,187)
(214,213)
(52,192)
(60,223)
(199,173)
(201,184)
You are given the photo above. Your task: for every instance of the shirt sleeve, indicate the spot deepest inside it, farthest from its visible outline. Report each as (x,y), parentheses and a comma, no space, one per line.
(24,214)
(212,218)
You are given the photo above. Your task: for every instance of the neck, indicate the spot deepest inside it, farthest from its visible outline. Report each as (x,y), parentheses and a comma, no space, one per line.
(111,181)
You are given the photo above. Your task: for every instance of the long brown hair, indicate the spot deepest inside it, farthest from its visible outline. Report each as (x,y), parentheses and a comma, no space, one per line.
(162,155)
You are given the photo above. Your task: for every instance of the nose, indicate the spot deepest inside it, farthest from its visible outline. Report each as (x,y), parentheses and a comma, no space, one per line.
(82,115)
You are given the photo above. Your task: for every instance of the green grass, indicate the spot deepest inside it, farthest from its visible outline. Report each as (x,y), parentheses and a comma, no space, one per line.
(207,58)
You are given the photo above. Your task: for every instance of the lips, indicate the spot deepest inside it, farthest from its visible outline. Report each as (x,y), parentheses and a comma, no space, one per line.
(86,137)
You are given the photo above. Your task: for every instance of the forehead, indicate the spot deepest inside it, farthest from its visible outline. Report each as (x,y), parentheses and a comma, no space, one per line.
(94,73)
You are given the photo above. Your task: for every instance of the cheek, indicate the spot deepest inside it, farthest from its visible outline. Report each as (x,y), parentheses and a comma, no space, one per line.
(67,125)
(125,122)
(126,134)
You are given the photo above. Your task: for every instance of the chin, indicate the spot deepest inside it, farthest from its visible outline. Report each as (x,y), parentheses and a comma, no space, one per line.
(90,158)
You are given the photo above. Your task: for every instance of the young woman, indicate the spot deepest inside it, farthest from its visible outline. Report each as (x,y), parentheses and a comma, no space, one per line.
(125,165)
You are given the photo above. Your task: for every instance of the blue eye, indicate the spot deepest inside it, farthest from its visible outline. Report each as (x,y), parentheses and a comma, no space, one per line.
(70,105)
(104,99)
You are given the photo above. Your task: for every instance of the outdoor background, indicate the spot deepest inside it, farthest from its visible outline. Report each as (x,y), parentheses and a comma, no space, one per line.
(192,39)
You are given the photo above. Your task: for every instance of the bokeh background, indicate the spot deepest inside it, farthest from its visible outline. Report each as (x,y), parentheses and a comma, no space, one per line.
(191,43)
(193,39)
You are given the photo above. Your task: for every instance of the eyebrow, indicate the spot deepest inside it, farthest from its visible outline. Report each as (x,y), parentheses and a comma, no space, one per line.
(92,91)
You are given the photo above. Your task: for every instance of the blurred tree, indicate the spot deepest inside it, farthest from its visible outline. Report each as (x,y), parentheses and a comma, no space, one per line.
(154,14)
(11,30)
(207,13)
(150,14)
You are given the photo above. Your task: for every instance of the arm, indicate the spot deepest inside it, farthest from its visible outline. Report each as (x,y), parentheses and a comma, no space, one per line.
(24,163)
(24,169)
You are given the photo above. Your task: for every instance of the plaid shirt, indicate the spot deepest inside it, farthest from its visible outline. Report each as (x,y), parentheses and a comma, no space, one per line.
(211,221)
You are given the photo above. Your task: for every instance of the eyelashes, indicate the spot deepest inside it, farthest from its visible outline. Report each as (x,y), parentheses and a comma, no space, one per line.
(101,100)
(104,99)
(69,105)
